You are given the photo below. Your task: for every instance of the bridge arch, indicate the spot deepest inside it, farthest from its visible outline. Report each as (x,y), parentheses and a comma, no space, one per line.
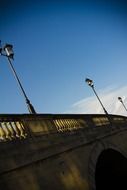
(111,170)
(102,153)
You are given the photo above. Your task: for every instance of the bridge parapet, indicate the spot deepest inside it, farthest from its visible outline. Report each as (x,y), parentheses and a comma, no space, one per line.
(22,126)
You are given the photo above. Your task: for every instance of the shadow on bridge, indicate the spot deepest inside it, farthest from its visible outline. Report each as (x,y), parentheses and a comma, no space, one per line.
(111,171)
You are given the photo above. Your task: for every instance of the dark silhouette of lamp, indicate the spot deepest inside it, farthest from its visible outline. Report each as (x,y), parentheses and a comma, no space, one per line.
(120,99)
(7,51)
(91,84)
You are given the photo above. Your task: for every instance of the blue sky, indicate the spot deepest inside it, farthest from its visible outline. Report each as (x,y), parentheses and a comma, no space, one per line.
(58,44)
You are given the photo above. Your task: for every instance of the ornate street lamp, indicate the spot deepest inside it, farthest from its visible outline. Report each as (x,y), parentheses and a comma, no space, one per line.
(7,51)
(91,84)
(120,99)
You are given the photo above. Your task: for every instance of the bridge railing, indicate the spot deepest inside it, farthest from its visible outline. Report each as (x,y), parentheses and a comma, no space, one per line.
(21,126)
(11,129)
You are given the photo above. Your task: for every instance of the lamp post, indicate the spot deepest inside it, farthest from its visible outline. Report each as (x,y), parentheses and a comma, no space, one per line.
(91,84)
(7,51)
(120,99)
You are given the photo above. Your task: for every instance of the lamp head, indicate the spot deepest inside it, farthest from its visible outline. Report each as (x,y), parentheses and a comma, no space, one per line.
(120,99)
(9,51)
(89,82)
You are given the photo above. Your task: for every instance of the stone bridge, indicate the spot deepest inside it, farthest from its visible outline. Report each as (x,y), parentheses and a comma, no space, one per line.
(63,152)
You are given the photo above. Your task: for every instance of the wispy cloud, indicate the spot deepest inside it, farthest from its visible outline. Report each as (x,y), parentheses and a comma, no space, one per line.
(109,97)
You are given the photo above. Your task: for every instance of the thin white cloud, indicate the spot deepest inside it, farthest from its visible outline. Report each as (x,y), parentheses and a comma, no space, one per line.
(109,97)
